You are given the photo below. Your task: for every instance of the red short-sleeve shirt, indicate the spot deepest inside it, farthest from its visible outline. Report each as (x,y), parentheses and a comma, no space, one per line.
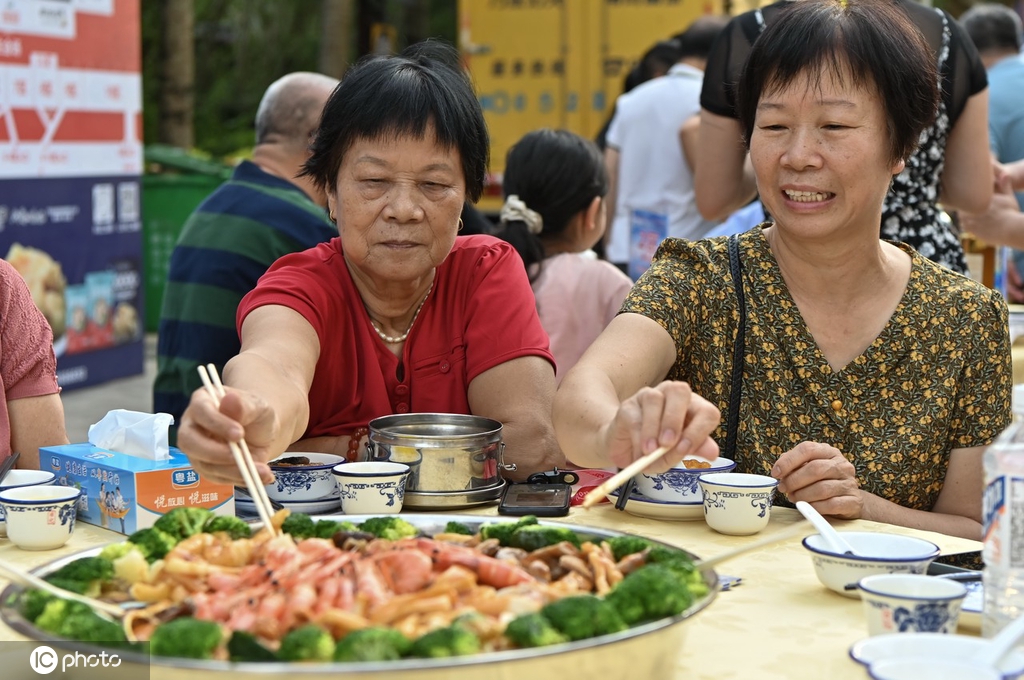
(27,364)
(480,313)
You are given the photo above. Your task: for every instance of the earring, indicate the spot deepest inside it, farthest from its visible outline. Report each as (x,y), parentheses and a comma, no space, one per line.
(461,225)
(333,218)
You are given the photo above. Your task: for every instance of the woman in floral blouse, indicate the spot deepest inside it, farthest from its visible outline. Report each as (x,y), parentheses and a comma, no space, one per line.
(872,378)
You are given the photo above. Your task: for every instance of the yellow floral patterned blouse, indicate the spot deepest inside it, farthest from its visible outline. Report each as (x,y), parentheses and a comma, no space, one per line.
(937,378)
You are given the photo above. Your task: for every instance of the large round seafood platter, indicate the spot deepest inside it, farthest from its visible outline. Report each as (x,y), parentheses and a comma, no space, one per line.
(402,596)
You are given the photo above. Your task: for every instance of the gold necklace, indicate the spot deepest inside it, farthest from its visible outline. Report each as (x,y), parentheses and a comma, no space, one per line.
(401,338)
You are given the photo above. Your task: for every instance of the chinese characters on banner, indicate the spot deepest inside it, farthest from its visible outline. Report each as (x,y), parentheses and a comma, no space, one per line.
(70,166)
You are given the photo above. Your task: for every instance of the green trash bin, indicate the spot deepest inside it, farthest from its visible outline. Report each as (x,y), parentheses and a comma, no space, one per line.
(168,198)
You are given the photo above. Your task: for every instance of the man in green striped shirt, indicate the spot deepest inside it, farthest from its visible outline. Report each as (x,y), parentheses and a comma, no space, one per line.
(263,212)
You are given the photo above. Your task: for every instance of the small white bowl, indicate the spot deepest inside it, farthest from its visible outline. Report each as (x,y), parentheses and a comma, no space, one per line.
(311,482)
(877,553)
(911,603)
(936,646)
(371,488)
(926,668)
(19,478)
(679,485)
(737,504)
(40,517)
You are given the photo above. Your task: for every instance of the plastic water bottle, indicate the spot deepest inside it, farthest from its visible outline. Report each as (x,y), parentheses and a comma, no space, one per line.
(1004,524)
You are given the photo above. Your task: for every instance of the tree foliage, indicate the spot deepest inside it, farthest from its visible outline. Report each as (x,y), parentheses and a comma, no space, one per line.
(241,46)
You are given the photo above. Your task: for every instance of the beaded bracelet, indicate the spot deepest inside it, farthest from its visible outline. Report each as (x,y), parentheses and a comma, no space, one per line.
(354,441)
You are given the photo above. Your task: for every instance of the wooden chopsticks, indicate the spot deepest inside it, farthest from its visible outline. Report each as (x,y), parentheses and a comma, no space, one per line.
(626,473)
(240,450)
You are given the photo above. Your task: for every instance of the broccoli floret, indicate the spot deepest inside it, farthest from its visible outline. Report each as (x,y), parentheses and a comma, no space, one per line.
(677,560)
(245,646)
(534,537)
(627,545)
(153,543)
(533,630)
(187,638)
(117,550)
(450,641)
(651,592)
(583,616)
(233,526)
(300,526)
(76,621)
(326,528)
(372,644)
(391,528)
(33,602)
(503,530)
(458,528)
(307,643)
(84,576)
(183,522)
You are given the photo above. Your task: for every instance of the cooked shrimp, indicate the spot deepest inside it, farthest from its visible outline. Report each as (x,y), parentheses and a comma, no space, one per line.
(489,571)
(405,571)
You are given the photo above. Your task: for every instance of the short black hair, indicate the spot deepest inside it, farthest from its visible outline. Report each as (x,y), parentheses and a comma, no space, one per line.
(556,173)
(871,41)
(992,27)
(386,97)
(697,39)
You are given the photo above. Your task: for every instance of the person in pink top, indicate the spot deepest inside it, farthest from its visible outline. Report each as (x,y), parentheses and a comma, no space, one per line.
(554,212)
(31,413)
(398,314)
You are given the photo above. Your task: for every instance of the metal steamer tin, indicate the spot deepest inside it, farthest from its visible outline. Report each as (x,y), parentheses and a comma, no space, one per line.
(454,459)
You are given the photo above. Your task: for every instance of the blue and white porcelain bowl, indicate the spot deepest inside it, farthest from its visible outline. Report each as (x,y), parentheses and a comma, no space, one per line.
(312,482)
(911,603)
(680,484)
(737,504)
(876,553)
(19,478)
(372,487)
(40,517)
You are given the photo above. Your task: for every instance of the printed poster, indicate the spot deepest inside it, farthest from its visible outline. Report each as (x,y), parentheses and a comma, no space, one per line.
(70,167)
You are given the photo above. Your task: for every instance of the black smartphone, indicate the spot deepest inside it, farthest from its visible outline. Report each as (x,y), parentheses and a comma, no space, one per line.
(543,500)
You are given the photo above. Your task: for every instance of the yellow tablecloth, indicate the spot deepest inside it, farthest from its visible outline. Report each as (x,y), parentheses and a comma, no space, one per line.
(780,623)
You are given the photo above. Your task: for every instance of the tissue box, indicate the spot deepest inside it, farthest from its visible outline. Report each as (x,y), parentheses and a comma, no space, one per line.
(124,493)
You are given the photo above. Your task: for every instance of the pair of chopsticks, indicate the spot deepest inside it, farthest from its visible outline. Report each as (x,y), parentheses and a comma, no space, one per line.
(240,450)
(623,476)
(8,465)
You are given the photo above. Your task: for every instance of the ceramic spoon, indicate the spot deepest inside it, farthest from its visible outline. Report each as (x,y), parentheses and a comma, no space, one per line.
(831,536)
(997,648)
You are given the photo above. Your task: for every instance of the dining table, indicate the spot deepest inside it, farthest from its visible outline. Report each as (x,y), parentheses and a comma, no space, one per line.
(779,622)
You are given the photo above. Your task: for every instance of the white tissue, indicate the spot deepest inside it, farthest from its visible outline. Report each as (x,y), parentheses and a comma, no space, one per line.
(143,435)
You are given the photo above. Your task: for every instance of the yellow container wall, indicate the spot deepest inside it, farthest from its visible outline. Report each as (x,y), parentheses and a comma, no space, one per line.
(558,63)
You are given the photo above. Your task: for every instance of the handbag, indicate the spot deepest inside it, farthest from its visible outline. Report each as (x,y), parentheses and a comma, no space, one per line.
(736,391)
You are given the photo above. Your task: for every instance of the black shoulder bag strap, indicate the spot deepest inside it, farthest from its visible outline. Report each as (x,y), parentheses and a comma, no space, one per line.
(736,394)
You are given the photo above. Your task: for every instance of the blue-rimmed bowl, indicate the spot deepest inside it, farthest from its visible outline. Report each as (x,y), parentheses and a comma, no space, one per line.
(911,603)
(19,478)
(40,517)
(312,482)
(680,484)
(371,487)
(876,553)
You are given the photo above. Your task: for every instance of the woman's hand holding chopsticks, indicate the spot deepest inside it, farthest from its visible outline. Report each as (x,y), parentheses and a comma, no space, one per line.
(238,415)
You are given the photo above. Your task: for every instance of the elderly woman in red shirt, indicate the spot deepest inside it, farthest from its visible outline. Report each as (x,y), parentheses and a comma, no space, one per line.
(398,314)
